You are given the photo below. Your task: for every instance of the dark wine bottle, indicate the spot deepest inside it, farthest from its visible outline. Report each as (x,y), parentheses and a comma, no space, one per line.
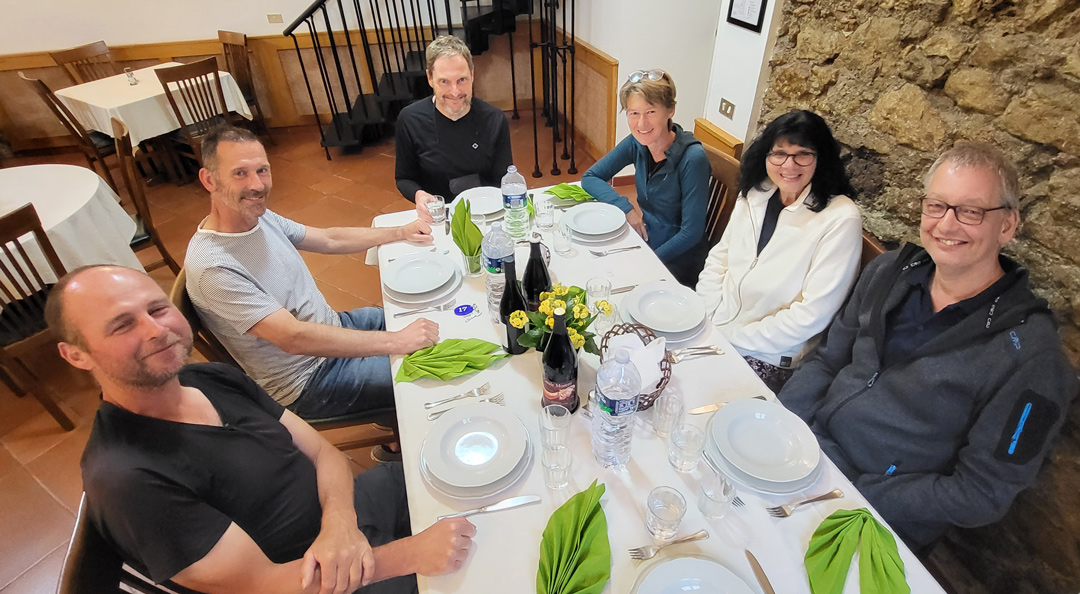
(536,279)
(560,367)
(512,300)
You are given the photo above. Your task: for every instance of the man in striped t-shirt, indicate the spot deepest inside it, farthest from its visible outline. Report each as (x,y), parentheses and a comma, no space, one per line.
(253,290)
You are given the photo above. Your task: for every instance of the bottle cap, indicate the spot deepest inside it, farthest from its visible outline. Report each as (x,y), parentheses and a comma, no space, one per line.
(560,311)
(622,355)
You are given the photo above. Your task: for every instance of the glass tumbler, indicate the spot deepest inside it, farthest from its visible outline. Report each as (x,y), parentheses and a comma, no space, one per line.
(436,205)
(554,426)
(667,413)
(545,213)
(557,462)
(564,239)
(665,509)
(716,495)
(598,289)
(686,445)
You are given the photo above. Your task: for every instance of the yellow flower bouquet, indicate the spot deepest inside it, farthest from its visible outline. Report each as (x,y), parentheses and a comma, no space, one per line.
(578,319)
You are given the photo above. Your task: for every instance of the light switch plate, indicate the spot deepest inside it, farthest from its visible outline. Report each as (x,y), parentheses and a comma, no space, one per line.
(727,108)
(273,18)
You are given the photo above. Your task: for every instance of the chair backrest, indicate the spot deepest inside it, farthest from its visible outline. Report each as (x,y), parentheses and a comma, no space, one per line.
(205,341)
(199,89)
(237,61)
(61,112)
(125,154)
(87,62)
(22,286)
(723,189)
(871,248)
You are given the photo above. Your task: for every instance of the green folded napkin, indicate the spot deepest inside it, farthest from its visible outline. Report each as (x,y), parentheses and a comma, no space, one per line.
(834,543)
(569,192)
(466,234)
(575,555)
(448,359)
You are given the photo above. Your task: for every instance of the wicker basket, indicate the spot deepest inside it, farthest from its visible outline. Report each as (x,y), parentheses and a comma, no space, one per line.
(646,335)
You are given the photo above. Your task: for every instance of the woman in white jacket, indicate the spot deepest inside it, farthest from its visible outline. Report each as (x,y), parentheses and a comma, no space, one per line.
(790,253)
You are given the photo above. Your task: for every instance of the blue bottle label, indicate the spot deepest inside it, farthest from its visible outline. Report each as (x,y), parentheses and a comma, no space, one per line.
(513,200)
(616,408)
(493,265)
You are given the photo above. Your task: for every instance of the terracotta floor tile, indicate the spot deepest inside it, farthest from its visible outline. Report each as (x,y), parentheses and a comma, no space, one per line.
(333,185)
(317,263)
(15,410)
(34,524)
(337,299)
(8,463)
(34,436)
(43,577)
(294,200)
(355,278)
(58,468)
(333,212)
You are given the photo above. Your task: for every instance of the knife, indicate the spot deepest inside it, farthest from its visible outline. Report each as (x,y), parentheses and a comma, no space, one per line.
(762,579)
(625,289)
(708,408)
(504,504)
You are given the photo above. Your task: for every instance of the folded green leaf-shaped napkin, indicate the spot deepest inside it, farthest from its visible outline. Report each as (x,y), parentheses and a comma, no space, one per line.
(466,234)
(575,555)
(448,359)
(834,543)
(569,192)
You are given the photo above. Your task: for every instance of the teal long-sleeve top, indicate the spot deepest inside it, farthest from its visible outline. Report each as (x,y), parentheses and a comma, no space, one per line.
(673,201)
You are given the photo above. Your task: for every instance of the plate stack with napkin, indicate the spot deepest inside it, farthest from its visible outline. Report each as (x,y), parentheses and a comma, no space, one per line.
(596,222)
(485,200)
(669,309)
(421,278)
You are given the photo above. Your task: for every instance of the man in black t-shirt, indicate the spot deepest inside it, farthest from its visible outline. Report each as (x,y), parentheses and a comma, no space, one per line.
(453,141)
(196,476)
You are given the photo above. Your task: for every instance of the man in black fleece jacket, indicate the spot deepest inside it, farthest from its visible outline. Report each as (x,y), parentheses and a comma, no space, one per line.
(942,382)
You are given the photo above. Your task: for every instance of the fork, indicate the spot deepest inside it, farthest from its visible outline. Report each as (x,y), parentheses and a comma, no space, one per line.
(496,399)
(601,254)
(473,393)
(783,511)
(738,502)
(689,352)
(434,308)
(432,250)
(649,551)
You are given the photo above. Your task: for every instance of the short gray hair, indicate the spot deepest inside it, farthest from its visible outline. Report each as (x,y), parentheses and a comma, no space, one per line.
(216,136)
(447,46)
(980,155)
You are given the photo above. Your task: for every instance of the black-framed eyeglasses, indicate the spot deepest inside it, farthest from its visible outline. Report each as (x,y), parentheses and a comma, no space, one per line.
(801,158)
(968,215)
(653,75)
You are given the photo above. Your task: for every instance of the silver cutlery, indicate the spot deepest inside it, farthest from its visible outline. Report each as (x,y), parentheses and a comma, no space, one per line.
(692,352)
(759,573)
(601,254)
(473,393)
(783,511)
(625,289)
(504,504)
(496,399)
(433,250)
(434,308)
(738,502)
(708,408)
(649,551)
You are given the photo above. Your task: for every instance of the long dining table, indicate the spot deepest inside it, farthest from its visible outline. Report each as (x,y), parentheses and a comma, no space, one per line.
(506,548)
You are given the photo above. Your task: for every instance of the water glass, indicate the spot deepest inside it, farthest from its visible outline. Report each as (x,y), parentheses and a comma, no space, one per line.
(716,495)
(478,219)
(603,322)
(687,442)
(667,413)
(554,426)
(473,265)
(437,207)
(564,239)
(545,213)
(598,289)
(665,509)
(557,462)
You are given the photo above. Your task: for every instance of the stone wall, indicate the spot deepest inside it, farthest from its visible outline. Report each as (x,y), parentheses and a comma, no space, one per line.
(901,80)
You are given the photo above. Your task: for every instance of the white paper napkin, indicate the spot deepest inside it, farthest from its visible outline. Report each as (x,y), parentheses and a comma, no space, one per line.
(645,357)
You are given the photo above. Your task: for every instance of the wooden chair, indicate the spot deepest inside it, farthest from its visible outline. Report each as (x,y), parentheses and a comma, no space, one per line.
(87,62)
(723,189)
(236,60)
(22,322)
(210,347)
(871,248)
(94,145)
(125,154)
(201,104)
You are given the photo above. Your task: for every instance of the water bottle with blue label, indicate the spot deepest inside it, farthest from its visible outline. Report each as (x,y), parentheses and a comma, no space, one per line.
(516,212)
(495,247)
(615,402)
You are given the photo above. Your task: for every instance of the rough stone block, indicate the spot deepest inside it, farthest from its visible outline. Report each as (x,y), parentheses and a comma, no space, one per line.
(998,47)
(923,70)
(819,43)
(948,43)
(977,89)
(907,115)
(1047,113)
(1064,192)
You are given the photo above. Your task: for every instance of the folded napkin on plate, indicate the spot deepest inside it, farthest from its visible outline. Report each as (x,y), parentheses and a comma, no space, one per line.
(569,192)
(575,555)
(448,359)
(645,357)
(833,544)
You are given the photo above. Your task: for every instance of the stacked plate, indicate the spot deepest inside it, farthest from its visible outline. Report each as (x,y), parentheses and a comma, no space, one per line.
(484,200)
(421,278)
(667,308)
(764,446)
(595,222)
(689,574)
(475,451)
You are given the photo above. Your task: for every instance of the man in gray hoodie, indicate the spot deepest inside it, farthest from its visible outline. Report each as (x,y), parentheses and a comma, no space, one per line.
(942,382)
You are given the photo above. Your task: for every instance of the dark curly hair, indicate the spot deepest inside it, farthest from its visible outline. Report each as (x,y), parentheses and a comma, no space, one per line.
(807,129)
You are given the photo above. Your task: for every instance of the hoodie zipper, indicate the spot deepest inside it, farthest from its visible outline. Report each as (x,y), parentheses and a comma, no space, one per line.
(753,263)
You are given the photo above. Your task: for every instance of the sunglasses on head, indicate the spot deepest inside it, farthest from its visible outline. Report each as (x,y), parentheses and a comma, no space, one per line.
(653,75)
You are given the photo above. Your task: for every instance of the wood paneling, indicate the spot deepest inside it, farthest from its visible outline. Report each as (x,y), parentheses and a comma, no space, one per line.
(712,135)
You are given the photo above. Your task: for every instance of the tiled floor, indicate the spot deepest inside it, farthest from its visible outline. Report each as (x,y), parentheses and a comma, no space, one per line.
(40,483)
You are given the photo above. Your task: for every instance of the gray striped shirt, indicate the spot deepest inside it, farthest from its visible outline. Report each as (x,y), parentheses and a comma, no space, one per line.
(237,279)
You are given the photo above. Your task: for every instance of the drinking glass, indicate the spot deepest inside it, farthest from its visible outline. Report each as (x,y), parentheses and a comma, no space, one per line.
(437,207)
(557,462)
(716,495)
(554,426)
(545,213)
(665,509)
(478,219)
(667,413)
(687,442)
(473,265)
(564,239)
(603,322)
(598,289)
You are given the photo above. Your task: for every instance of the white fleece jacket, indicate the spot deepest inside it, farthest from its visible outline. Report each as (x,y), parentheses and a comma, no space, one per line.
(773,307)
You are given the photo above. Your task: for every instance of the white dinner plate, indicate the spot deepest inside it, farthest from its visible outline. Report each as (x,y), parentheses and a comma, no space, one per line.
(606,237)
(665,306)
(712,453)
(595,218)
(494,488)
(418,272)
(765,440)
(475,445)
(696,574)
(484,200)
(426,298)
(672,337)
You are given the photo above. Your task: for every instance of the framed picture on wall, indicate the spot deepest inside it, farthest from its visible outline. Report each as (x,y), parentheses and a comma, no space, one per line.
(748,14)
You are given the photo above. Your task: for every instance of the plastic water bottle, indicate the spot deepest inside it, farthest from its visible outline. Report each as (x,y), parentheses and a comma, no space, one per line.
(513,192)
(495,246)
(617,386)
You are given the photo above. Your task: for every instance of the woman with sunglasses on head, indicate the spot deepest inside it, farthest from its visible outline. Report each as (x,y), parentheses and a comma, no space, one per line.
(790,253)
(671,175)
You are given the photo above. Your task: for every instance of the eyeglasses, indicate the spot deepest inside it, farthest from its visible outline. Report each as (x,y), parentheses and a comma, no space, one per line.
(801,158)
(968,215)
(653,75)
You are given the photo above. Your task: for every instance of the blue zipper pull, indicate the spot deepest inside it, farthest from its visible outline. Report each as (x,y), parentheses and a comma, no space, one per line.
(873,378)
(890,470)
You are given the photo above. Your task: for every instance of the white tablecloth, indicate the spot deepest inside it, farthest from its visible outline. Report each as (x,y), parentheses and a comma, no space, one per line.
(505,554)
(79,212)
(143,108)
